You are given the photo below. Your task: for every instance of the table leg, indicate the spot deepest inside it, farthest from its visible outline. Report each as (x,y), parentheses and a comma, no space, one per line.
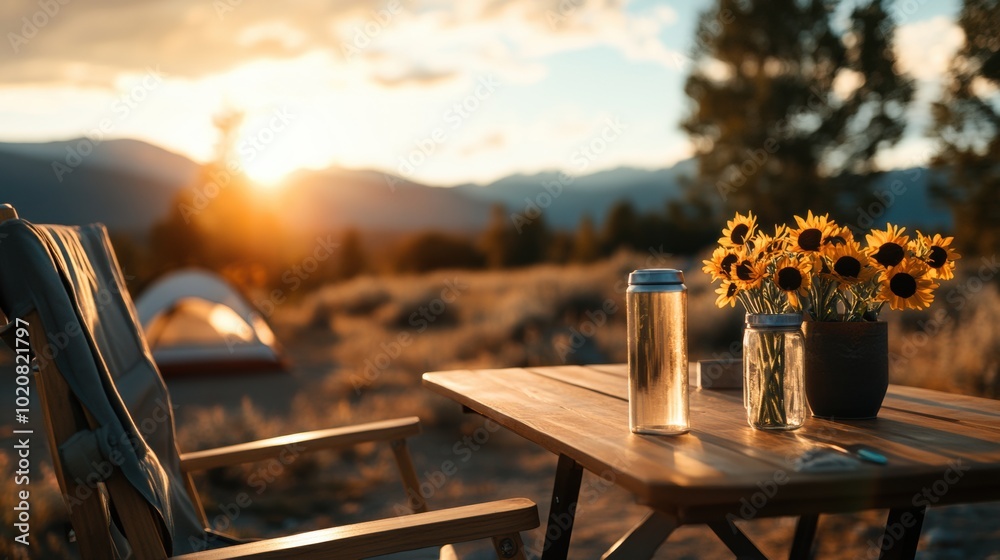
(644,539)
(562,511)
(742,547)
(805,534)
(902,533)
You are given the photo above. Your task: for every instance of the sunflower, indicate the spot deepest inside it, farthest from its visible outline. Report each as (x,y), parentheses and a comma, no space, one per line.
(765,245)
(720,266)
(887,248)
(939,255)
(748,273)
(738,230)
(838,235)
(727,294)
(809,236)
(908,285)
(794,278)
(848,264)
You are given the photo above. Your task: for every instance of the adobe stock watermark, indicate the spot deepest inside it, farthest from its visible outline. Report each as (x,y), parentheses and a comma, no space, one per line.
(419,321)
(926,497)
(884,200)
(658,257)
(737,175)
(225,7)
(377,22)
(454,118)
(899,13)
(712,29)
(751,506)
(294,276)
(122,107)
(32,24)
(72,330)
(87,484)
(587,329)
(292,279)
(434,480)
(956,299)
(261,477)
(580,160)
(249,148)
(590,491)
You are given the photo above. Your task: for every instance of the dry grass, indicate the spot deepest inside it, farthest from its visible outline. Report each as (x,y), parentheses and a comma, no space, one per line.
(359,349)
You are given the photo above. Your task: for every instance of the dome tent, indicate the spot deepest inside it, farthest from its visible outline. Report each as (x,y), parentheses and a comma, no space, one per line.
(197,323)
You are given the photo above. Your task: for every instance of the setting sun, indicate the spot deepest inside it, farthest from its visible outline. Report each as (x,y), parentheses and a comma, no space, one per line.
(268,174)
(274,144)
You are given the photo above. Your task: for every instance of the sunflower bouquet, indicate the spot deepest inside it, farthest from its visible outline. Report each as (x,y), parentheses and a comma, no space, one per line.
(820,269)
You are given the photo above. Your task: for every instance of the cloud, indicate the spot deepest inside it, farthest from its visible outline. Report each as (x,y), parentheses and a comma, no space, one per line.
(492,142)
(91,43)
(186,38)
(415,76)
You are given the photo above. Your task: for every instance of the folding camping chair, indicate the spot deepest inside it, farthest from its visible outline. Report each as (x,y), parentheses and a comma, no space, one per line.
(129,490)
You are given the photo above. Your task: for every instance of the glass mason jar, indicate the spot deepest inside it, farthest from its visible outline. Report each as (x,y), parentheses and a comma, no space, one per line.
(773,383)
(657,352)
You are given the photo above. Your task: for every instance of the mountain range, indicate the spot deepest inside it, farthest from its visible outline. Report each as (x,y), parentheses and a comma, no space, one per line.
(129,185)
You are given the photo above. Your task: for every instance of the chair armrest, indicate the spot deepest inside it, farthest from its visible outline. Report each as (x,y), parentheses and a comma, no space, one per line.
(385,536)
(333,438)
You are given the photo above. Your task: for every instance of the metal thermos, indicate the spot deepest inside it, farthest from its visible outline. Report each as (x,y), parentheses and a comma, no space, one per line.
(657,352)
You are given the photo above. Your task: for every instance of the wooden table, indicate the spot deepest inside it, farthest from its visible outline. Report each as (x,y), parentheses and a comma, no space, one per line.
(942,449)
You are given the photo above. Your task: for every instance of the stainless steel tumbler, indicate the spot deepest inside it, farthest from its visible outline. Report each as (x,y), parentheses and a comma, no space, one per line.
(657,352)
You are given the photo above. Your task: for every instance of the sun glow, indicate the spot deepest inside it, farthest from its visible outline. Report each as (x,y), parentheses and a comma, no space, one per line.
(269,174)
(275,144)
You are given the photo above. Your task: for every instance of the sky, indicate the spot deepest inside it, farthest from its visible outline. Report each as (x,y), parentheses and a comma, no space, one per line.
(434,91)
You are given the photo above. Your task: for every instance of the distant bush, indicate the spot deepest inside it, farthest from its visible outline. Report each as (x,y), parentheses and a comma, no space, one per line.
(434,250)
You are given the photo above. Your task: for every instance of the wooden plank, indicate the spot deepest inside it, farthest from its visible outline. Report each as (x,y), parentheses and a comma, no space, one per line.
(408,474)
(591,428)
(973,411)
(582,412)
(922,442)
(385,536)
(332,438)
(64,417)
(718,418)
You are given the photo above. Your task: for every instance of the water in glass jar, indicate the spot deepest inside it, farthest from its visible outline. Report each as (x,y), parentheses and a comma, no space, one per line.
(658,364)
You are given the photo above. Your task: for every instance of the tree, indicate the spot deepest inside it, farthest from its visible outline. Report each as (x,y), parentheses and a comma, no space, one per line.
(530,242)
(351,258)
(495,242)
(967,130)
(586,247)
(516,240)
(620,227)
(433,250)
(788,113)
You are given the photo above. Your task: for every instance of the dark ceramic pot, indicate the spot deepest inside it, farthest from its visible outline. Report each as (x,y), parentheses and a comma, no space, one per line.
(846,368)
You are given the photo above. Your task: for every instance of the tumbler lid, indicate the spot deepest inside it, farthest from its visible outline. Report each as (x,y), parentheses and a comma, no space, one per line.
(774,319)
(656,276)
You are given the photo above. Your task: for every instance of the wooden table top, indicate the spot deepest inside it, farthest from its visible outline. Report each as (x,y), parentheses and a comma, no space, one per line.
(942,448)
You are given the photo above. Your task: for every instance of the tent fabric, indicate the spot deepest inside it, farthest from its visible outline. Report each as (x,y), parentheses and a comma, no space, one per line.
(196,322)
(70,276)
